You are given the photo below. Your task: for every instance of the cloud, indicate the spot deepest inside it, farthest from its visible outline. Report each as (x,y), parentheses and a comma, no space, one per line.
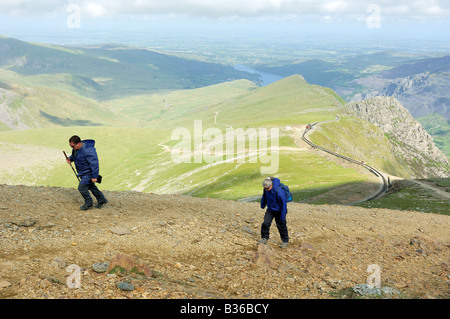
(346,9)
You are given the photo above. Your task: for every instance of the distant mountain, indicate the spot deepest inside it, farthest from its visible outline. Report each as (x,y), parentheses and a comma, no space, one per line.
(110,71)
(338,72)
(423,87)
(420,84)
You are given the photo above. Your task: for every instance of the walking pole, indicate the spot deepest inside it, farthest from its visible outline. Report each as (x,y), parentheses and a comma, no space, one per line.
(72,166)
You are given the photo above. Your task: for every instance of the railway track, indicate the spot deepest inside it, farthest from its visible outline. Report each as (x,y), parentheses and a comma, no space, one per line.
(371,169)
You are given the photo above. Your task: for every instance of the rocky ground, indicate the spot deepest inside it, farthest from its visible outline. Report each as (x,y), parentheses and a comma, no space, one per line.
(156,246)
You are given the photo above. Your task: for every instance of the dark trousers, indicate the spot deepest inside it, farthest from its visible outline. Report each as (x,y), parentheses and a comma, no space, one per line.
(282,228)
(84,191)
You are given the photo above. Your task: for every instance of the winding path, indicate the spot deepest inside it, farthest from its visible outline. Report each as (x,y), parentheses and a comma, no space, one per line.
(371,169)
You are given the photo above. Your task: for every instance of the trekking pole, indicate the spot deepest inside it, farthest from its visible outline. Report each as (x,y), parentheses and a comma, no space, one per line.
(72,166)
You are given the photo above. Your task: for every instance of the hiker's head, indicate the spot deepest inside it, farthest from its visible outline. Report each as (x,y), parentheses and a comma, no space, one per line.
(267,184)
(75,142)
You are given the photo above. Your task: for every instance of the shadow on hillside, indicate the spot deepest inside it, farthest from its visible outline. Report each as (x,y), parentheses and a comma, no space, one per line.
(67,121)
(346,194)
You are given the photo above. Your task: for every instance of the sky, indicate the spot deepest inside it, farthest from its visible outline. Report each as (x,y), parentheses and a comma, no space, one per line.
(339,9)
(420,19)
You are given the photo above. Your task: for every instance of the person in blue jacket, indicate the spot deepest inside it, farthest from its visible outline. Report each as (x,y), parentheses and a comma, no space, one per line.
(275,200)
(86,162)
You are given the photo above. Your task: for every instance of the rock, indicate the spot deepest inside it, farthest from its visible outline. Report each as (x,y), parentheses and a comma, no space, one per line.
(414,242)
(388,291)
(364,290)
(45,283)
(248,230)
(127,263)
(264,256)
(306,245)
(100,267)
(119,231)
(125,286)
(27,222)
(333,283)
(4,284)
(59,262)
(49,225)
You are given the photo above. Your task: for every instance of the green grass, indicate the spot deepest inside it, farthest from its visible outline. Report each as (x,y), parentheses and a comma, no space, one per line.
(442,182)
(134,129)
(349,137)
(439,128)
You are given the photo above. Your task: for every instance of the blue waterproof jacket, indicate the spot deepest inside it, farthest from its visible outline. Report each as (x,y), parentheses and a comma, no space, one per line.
(86,161)
(275,199)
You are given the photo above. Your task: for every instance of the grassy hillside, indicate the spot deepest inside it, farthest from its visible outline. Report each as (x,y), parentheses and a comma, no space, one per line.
(438,127)
(107,71)
(136,142)
(33,107)
(138,156)
(361,141)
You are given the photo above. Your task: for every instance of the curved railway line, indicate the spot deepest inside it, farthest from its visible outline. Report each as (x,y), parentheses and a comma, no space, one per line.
(371,169)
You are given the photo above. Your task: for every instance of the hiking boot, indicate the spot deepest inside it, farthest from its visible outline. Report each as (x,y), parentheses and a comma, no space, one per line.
(85,207)
(263,241)
(100,205)
(284,244)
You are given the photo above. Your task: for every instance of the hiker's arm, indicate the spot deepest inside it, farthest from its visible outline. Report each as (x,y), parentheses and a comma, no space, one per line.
(263,200)
(282,201)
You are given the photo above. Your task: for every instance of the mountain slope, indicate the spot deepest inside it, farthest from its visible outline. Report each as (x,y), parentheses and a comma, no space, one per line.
(141,154)
(107,71)
(411,144)
(34,107)
(206,248)
(141,158)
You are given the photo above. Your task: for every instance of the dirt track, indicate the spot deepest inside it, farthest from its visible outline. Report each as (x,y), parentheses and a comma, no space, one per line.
(206,248)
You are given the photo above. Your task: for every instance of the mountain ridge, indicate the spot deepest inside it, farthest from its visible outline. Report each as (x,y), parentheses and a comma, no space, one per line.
(107,71)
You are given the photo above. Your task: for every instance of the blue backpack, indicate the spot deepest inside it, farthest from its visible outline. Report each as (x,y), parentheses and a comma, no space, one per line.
(288,193)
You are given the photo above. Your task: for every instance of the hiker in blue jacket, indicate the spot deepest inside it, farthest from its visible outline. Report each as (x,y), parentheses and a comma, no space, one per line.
(86,162)
(275,200)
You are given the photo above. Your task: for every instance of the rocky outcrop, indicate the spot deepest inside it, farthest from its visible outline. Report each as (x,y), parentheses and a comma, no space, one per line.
(13,111)
(421,94)
(422,87)
(409,140)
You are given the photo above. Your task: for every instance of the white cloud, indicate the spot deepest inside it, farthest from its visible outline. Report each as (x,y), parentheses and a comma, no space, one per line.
(335,6)
(95,10)
(427,9)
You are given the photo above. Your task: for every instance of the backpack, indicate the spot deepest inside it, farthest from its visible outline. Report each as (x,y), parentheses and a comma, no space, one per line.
(288,193)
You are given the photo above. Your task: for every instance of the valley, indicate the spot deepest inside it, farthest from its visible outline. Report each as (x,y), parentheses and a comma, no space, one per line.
(135,138)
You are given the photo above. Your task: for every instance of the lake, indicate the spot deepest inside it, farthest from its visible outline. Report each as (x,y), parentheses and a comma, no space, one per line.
(267,78)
